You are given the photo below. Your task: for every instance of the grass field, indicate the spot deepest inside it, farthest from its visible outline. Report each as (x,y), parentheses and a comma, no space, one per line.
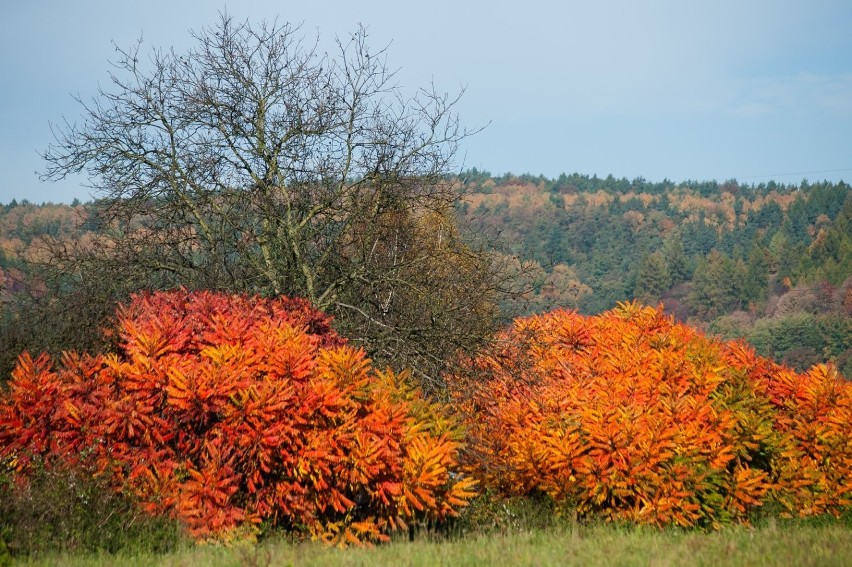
(787,544)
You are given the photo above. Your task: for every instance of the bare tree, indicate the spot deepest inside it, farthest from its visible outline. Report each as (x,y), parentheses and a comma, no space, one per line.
(255,163)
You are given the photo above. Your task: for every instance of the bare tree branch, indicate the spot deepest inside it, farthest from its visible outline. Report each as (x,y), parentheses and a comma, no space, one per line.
(255,163)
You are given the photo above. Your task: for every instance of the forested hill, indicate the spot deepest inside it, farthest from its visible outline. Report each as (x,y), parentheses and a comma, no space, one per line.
(769,262)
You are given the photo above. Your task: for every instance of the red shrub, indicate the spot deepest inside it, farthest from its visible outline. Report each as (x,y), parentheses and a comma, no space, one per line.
(228,410)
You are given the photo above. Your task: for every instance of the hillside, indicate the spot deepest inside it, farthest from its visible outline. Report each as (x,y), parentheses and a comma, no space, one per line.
(771,263)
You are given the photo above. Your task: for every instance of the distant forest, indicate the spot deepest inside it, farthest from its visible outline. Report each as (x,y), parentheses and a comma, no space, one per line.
(771,263)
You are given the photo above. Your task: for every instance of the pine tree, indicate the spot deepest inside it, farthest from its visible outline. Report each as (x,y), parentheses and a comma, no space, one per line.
(653,277)
(677,263)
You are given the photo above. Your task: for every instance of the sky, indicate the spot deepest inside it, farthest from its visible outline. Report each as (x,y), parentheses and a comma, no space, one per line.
(751,90)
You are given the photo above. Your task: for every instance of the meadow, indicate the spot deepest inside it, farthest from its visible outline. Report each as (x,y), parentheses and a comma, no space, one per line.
(822,543)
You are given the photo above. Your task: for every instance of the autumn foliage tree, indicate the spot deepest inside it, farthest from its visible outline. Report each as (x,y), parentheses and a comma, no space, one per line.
(226,411)
(629,416)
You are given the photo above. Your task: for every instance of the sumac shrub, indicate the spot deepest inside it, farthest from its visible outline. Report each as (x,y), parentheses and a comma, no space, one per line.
(629,416)
(230,411)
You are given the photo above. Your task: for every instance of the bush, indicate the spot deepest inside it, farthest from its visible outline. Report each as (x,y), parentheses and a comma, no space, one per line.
(69,511)
(492,512)
(230,411)
(629,416)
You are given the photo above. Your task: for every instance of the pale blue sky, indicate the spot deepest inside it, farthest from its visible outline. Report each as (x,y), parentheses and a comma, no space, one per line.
(746,89)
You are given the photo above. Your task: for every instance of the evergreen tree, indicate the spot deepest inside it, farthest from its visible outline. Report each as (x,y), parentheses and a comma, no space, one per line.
(714,286)
(677,264)
(653,277)
(756,284)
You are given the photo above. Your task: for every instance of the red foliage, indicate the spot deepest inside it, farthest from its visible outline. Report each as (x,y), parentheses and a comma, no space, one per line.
(628,415)
(230,410)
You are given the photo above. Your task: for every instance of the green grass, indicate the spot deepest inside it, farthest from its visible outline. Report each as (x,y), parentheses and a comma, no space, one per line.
(776,543)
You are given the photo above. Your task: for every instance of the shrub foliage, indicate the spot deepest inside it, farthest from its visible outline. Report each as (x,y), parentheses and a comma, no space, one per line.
(226,411)
(630,416)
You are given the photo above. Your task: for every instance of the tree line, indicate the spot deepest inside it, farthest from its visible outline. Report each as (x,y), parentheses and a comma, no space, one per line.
(737,259)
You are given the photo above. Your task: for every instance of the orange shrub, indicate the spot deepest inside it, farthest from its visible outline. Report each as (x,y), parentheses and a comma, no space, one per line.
(630,416)
(229,410)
